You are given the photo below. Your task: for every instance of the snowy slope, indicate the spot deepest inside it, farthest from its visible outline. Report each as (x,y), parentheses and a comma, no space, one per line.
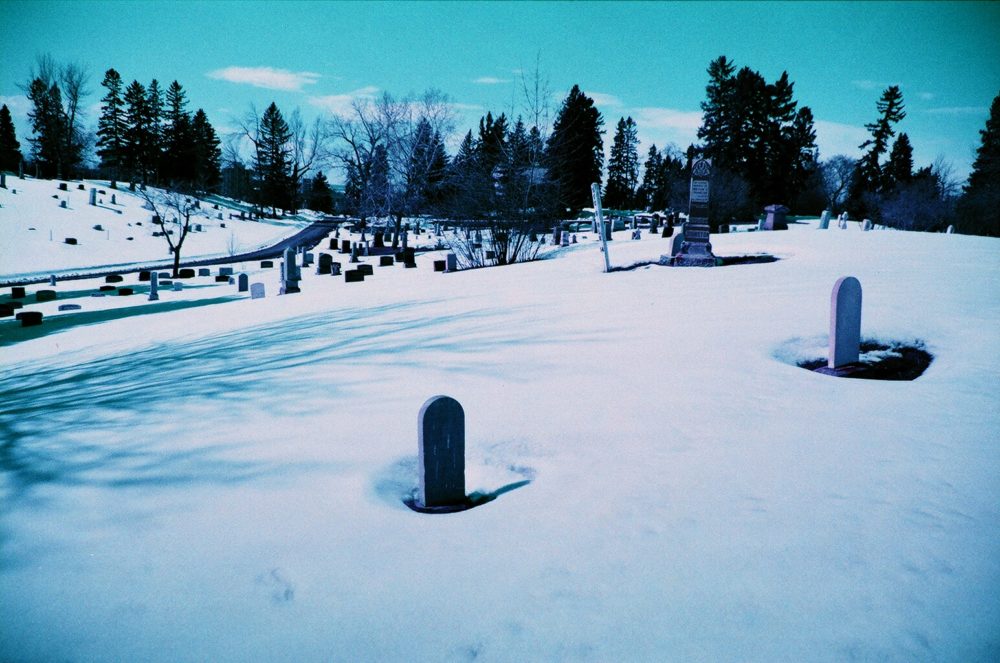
(223,482)
(34,228)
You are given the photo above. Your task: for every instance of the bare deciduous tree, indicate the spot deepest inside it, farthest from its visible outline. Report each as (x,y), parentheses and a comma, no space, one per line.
(837,172)
(173,207)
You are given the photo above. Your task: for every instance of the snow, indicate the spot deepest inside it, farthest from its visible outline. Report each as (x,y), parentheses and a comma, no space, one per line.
(34,227)
(224,481)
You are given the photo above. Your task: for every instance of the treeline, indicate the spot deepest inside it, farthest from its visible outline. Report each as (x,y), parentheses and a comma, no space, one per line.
(516,171)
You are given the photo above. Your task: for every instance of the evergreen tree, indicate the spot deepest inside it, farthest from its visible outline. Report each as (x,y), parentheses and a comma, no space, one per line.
(138,137)
(721,123)
(204,173)
(10,148)
(575,151)
(320,194)
(868,180)
(899,169)
(49,127)
(650,179)
(154,124)
(111,126)
(979,208)
(623,166)
(178,140)
(272,159)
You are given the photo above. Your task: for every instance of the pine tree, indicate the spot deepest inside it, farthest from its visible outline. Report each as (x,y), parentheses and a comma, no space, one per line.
(178,143)
(868,179)
(111,126)
(720,122)
(205,173)
(899,169)
(272,159)
(137,134)
(154,124)
(979,208)
(10,148)
(49,127)
(623,166)
(575,151)
(320,194)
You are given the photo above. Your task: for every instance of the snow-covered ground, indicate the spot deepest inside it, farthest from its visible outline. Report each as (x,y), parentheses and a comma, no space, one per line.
(34,228)
(224,481)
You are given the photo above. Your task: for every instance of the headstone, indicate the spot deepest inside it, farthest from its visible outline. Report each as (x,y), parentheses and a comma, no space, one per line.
(695,249)
(154,287)
(379,243)
(325,263)
(354,253)
(345,246)
(145,275)
(572,239)
(386,261)
(439,265)
(45,295)
(367,270)
(70,307)
(222,278)
(307,259)
(289,273)
(123,292)
(441,451)
(950,230)
(164,275)
(776,217)
(242,283)
(256,290)
(403,239)
(52,279)
(636,234)
(866,225)
(225,271)
(114,278)
(824,220)
(29,318)
(354,276)
(177,286)
(452,262)
(3,180)
(845,322)
(62,204)
(266,264)
(108,288)
(17,292)
(675,246)
(335,268)
(93,196)
(556,236)
(114,200)
(63,187)
(564,239)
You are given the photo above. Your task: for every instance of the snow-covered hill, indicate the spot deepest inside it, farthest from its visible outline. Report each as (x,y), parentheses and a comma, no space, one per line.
(211,477)
(34,228)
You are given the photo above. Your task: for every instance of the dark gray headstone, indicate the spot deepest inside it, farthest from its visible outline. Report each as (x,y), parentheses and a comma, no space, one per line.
(775,219)
(45,295)
(257,291)
(242,283)
(452,262)
(441,446)
(93,196)
(177,286)
(354,276)
(695,249)
(325,263)
(144,275)
(225,271)
(3,180)
(335,268)
(386,261)
(866,225)
(266,264)
(154,287)
(204,271)
(52,279)
(17,292)
(845,322)
(29,318)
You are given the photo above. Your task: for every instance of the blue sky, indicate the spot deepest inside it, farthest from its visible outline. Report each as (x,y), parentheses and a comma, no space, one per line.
(647,59)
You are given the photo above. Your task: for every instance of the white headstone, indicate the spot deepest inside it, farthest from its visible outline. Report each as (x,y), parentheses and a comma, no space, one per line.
(950,230)
(256,291)
(866,225)
(845,322)
(824,220)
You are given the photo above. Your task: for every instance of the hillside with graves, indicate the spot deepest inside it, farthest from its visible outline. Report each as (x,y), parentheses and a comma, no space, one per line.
(391,448)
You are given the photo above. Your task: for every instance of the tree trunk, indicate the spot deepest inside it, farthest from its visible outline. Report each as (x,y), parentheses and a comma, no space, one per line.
(177,261)
(399,227)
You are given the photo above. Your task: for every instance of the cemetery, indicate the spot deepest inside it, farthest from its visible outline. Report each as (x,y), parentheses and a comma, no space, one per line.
(294,367)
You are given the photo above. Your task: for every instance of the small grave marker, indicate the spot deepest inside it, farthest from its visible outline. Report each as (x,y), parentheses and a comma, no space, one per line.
(824,220)
(154,287)
(257,290)
(242,283)
(70,307)
(845,322)
(29,318)
(441,450)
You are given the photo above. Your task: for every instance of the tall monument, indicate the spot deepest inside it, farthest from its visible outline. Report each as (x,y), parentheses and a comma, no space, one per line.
(696,251)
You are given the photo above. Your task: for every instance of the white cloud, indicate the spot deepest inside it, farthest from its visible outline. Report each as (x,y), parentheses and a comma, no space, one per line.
(602,99)
(340,104)
(491,80)
(865,84)
(958,110)
(266,77)
(835,138)
(926,96)
(668,118)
